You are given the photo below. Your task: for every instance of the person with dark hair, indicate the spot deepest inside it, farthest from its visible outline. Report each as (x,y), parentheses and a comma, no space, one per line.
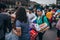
(2,5)
(40,20)
(5,22)
(22,25)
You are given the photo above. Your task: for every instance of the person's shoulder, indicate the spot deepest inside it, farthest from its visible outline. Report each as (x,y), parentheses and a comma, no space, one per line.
(7,16)
(33,14)
(3,14)
(17,21)
(44,17)
(49,12)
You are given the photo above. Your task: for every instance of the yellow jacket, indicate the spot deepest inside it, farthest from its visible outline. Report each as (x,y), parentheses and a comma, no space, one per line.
(49,15)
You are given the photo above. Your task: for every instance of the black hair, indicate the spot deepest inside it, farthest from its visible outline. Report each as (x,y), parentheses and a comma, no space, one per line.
(58,6)
(16,8)
(2,6)
(21,15)
(49,10)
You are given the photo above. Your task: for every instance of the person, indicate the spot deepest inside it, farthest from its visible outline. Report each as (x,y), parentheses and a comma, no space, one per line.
(31,16)
(5,22)
(57,11)
(58,29)
(22,25)
(58,24)
(40,20)
(53,24)
(57,15)
(49,15)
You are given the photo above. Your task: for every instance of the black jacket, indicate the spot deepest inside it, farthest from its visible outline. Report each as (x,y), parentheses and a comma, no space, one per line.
(5,22)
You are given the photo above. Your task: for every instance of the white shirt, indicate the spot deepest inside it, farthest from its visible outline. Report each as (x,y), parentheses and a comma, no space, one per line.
(31,17)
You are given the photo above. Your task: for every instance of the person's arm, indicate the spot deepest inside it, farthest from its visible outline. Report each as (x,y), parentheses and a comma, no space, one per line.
(46,21)
(33,19)
(18,30)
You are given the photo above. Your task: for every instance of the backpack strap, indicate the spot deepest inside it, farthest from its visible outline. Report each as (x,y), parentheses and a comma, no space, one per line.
(48,21)
(43,18)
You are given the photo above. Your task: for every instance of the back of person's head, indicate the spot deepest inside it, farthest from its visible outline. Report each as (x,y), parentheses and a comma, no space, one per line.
(2,6)
(58,6)
(49,10)
(39,9)
(16,8)
(21,14)
(30,9)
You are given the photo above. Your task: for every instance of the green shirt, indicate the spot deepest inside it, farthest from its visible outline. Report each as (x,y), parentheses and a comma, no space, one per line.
(42,19)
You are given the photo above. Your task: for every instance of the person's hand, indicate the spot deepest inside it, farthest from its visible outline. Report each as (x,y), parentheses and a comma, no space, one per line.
(13,17)
(15,32)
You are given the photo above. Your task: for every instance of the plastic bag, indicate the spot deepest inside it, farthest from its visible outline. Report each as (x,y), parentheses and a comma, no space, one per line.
(33,34)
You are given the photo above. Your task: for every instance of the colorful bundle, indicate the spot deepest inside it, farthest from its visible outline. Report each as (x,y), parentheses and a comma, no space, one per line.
(41,28)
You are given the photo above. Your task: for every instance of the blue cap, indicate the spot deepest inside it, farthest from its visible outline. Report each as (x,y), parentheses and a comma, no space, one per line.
(39,9)
(30,8)
(58,11)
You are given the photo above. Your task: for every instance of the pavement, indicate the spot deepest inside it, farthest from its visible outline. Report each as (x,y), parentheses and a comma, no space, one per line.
(50,34)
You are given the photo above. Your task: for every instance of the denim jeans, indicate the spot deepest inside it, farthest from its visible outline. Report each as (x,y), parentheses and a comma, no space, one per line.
(11,36)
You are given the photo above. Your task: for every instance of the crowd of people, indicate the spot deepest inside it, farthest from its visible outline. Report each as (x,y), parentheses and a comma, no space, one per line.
(19,24)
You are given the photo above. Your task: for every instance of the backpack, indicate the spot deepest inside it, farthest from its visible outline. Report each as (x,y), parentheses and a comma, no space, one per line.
(48,21)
